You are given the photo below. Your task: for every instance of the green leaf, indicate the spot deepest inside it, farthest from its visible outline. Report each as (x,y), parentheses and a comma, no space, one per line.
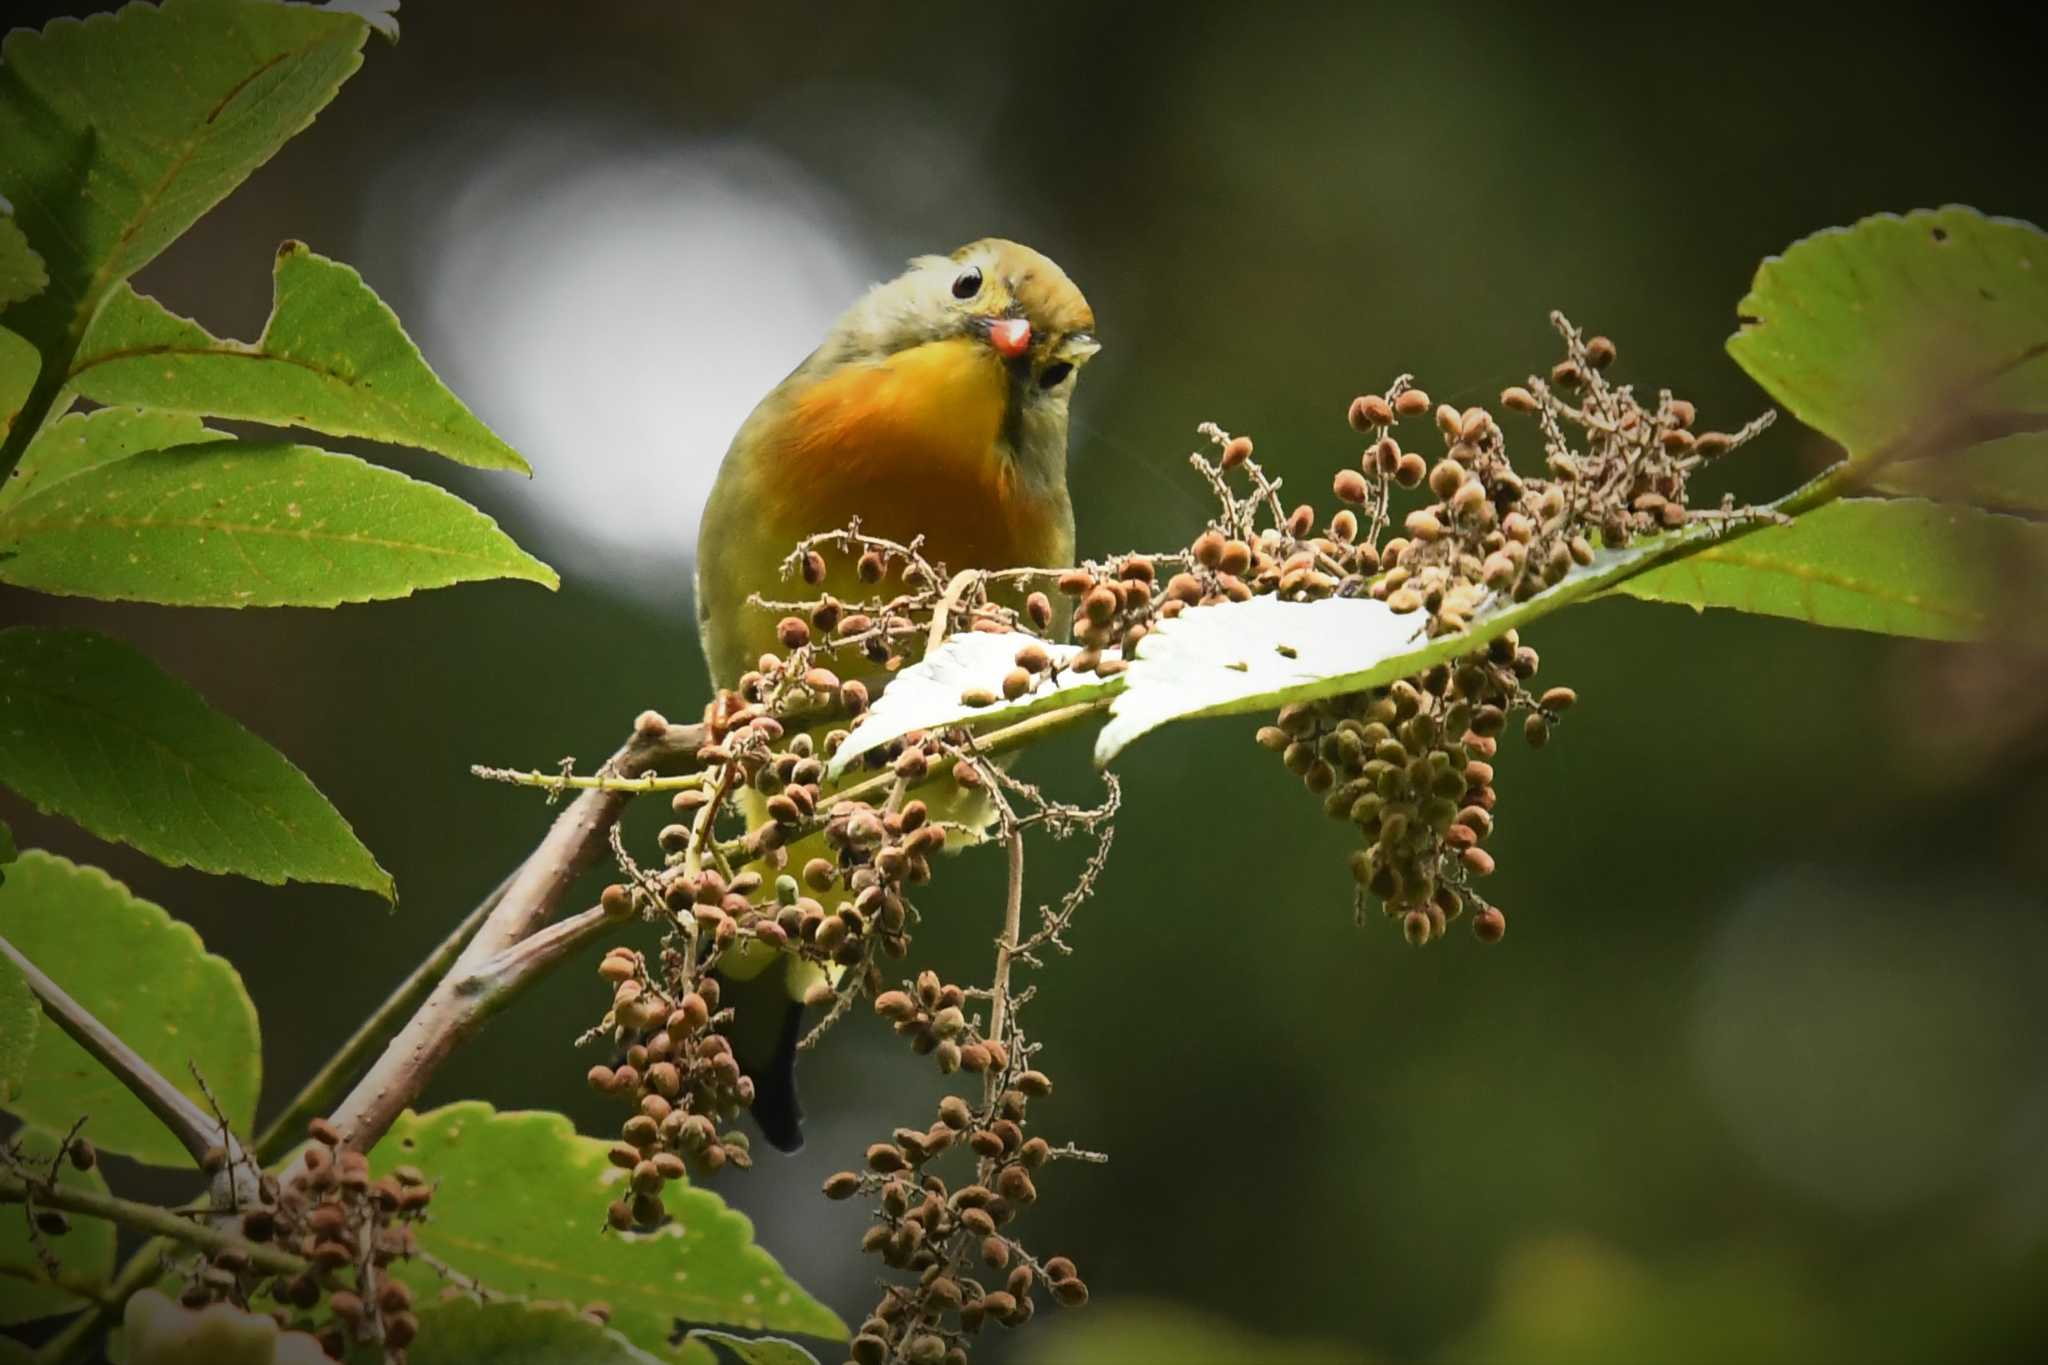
(80,441)
(95,732)
(521,1209)
(19,365)
(2009,475)
(927,695)
(122,129)
(1237,657)
(1909,337)
(1898,566)
(332,357)
(20,1015)
(147,977)
(85,1254)
(22,275)
(508,1332)
(750,1350)
(248,524)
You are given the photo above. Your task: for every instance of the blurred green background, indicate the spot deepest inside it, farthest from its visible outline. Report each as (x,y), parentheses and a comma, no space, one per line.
(1756,1074)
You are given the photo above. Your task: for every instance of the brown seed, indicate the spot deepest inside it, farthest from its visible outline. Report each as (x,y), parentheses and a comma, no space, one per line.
(1349,486)
(322,1130)
(1472,423)
(1479,861)
(1446,478)
(1100,605)
(1712,444)
(1515,398)
(1566,375)
(1599,353)
(1415,928)
(1237,557)
(1682,412)
(1016,683)
(1489,924)
(1412,403)
(1558,699)
(1423,525)
(814,567)
(1371,410)
(1039,608)
(1536,731)
(1236,451)
(793,631)
(1410,469)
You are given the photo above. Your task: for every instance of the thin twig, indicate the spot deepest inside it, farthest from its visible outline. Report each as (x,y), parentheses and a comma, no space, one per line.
(152,1218)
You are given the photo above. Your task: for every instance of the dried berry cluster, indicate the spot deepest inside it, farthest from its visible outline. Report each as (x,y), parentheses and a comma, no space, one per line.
(351,1228)
(969,1270)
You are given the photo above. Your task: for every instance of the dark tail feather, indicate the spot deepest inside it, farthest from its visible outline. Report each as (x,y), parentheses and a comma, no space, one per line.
(776,1110)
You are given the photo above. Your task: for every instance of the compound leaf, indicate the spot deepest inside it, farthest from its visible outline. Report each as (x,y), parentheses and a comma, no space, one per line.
(93,731)
(79,441)
(122,129)
(332,357)
(251,524)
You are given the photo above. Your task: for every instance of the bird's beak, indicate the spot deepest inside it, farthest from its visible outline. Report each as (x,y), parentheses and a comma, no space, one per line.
(1079,346)
(1010,336)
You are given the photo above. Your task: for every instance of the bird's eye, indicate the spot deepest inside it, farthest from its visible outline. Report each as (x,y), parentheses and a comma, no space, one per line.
(1052,374)
(967,283)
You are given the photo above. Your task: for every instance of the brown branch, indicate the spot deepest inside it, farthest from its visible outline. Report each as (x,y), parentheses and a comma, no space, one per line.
(194,1128)
(479,983)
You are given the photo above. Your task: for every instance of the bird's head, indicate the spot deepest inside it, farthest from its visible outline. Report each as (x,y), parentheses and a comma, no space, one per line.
(1001,293)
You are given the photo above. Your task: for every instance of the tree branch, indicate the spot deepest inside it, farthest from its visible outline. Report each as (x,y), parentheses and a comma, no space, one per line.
(194,1128)
(456,1007)
(321,1091)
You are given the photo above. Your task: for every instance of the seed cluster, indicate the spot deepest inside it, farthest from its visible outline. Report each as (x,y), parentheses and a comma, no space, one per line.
(351,1228)
(953,1236)
(1411,764)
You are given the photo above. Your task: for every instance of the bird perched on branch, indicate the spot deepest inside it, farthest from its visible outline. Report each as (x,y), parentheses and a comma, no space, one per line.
(936,406)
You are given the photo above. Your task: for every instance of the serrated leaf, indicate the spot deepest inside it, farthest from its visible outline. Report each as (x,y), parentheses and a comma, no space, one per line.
(1236,657)
(927,695)
(122,129)
(147,977)
(1898,566)
(520,1208)
(251,524)
(22,275)
(20,1015)
(332,357)
(79,441)
(1916,336)
(93,731)
(85,1254)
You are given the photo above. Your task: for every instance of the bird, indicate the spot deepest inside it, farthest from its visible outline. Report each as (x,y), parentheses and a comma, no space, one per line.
(936,406)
